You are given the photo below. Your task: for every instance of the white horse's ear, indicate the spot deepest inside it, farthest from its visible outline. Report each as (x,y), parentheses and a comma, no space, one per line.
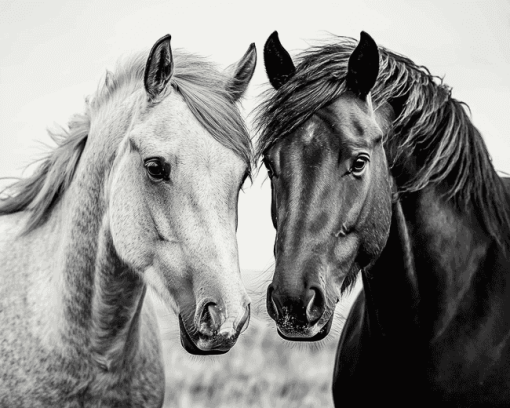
(242,72)
(159,67)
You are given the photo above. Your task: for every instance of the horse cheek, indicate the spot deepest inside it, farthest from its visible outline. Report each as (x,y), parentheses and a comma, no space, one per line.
(129,215)
(377,227)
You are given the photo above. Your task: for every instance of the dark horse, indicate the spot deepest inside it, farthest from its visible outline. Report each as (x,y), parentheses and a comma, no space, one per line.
(375,168)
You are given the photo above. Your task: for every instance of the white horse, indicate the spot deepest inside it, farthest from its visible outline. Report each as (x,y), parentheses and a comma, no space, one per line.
(142,191)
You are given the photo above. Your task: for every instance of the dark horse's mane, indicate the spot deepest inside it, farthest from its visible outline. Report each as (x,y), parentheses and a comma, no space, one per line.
(431,127)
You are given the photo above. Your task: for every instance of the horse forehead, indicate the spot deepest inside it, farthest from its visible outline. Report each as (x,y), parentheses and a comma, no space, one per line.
(175,129)
(310,141)
(346,120)
(351,116)
(172,117)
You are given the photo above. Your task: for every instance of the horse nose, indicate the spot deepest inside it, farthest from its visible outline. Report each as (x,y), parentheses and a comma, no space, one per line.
(213,321)
(305,308)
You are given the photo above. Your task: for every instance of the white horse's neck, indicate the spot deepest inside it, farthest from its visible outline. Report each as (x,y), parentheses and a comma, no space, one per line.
(116,306)
(102,298)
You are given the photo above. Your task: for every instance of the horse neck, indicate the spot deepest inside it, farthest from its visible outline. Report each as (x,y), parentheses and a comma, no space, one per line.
(390,284)
(117,302)
(427,273)
(101,297)
(454,258)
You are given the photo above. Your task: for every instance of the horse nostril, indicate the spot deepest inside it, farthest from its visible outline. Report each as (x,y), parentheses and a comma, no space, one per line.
(316,305)
(244,322)
(210,319)
(271,305)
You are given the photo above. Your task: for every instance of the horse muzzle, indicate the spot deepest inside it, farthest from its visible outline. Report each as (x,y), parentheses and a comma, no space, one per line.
(303,317)
(298,333)
(215,333)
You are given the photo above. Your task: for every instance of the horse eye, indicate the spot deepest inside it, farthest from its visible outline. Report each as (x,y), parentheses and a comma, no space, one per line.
(359,165)
(157,169)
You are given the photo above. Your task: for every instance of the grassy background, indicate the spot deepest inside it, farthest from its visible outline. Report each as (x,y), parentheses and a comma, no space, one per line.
(261,370)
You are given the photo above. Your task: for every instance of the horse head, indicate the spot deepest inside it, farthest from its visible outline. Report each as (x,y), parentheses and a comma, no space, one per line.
(331,189)
(173,194)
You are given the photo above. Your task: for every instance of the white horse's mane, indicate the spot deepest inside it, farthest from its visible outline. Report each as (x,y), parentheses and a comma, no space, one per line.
(201,84)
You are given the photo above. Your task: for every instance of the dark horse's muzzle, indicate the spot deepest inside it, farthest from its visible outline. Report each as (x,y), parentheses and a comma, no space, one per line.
(302,317)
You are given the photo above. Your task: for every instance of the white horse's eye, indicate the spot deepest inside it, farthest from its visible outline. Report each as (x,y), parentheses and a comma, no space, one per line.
(157,169)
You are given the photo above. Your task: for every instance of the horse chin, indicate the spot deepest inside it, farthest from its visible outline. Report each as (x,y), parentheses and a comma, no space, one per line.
(191,346)
(294,336)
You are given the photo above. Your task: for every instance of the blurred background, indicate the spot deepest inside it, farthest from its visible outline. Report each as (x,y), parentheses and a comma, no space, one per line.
(54,52)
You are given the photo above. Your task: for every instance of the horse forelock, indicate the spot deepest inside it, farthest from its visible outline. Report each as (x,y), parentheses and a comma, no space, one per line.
(200,83)
(430,126)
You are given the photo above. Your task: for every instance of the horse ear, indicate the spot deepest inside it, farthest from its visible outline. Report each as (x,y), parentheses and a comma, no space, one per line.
(363,67)
(242,73)
(279,65)
(159,67)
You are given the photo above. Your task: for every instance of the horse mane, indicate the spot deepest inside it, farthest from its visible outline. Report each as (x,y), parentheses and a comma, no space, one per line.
(199,82)
(431,127)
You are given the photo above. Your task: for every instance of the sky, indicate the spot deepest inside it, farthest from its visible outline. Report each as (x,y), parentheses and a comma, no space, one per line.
(54,52)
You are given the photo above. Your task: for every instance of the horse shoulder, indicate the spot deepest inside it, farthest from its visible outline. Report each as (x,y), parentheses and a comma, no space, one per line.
(28,312)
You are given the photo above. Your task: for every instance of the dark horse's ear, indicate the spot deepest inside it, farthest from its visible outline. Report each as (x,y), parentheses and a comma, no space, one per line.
(363,66)
(242,73)
(159,67)
(279,65)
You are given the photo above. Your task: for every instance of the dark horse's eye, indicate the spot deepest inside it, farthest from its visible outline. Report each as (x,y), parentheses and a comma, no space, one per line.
(157,169)
(359,165)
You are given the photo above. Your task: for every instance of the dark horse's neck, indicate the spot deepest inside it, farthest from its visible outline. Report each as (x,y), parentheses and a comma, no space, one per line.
(432,255)
(390,285)
(437,295)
